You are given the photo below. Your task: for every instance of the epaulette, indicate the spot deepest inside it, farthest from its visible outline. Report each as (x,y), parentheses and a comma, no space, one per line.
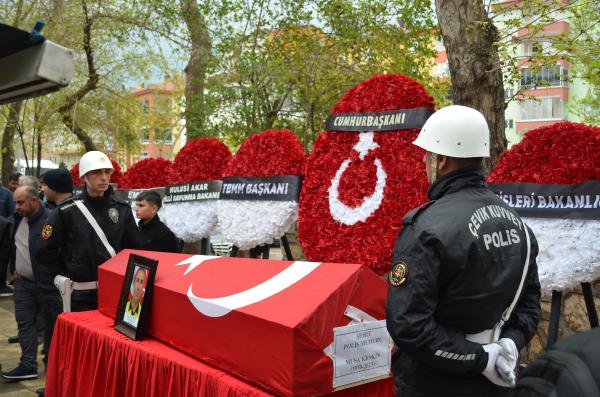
(412,215)
(68,203)
(125,203)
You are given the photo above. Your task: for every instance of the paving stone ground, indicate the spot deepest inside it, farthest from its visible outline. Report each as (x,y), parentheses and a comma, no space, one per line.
(10,353)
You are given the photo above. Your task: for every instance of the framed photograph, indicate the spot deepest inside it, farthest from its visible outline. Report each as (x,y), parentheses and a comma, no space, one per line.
(135,295)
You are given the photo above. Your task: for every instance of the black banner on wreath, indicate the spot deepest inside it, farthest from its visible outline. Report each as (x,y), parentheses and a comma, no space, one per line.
(127,195)
(391,120)
(193,191)
(581,201)
(273,188)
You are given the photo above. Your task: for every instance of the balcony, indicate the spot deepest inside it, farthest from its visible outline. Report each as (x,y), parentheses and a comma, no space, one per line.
(555,76)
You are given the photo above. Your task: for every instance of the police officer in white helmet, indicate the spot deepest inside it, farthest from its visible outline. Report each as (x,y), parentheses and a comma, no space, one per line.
(464,291)
(83,232)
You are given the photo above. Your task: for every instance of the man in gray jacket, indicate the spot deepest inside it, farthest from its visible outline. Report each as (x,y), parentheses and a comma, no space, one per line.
(25,241)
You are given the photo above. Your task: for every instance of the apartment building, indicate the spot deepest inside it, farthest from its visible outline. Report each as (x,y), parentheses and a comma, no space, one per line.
(161,124)
(541,96)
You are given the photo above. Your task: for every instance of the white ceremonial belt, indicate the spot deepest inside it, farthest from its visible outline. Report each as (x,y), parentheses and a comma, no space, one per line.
(85,286)
(484,337)
(66,286)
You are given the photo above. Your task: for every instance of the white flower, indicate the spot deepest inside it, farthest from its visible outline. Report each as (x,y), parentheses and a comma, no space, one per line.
(191,221)
(247,224)
(569,252)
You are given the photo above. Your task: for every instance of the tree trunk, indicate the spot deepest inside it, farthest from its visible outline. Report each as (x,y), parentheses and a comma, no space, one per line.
(8,152)
(39,153)
(79,132)
(90,85)
(469,37)
(24,148)
(195,71)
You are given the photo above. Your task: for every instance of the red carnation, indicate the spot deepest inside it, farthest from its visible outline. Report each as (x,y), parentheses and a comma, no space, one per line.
(115,177)
(368,241)
(201,159)
(272,152)
(561,153)
(147,174)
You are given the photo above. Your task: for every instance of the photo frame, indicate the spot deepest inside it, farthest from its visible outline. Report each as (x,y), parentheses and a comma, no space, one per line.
(136,295)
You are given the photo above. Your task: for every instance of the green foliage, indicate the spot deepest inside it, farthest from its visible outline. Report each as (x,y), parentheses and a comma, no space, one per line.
(123,52)
(284,64)
(537,48)
(272,64)
(585,50)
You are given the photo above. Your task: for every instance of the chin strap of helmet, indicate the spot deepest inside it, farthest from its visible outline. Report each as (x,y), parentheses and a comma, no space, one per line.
(433,165)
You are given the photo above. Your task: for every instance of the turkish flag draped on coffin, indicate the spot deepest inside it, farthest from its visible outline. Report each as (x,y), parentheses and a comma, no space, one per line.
(265,321)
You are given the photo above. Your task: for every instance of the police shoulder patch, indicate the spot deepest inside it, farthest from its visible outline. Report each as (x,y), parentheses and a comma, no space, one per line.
(47,231)
(113,214)
(398,274)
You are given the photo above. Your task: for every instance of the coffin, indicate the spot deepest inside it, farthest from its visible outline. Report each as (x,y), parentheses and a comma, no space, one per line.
(267,321)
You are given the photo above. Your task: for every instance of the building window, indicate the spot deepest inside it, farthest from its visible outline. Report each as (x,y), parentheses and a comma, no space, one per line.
(546,76)
(532,48)
(508,124)
(146,105)
(163,135)
(542,108)
(145,134)
(144,155)
(168,135)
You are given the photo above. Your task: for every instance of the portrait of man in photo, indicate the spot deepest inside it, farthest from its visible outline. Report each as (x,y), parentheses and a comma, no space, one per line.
(133,308)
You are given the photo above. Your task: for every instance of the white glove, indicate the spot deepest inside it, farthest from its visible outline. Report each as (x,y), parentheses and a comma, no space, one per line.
(493,350)
(507,360)
(509,349)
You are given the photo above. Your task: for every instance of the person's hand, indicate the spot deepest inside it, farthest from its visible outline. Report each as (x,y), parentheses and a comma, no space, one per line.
(507,360)
(493,350)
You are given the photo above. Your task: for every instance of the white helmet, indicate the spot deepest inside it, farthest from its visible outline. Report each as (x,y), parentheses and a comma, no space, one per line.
(456,131)
(94,160)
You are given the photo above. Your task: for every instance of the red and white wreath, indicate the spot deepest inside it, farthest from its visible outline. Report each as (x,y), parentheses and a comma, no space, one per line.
(147,174)
(359,185)
(562,153)
(201,159)
(247,223)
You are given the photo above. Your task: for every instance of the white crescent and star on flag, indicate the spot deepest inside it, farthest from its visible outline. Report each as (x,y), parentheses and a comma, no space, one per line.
(344,213)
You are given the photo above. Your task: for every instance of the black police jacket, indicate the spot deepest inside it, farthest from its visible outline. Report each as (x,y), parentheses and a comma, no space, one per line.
(67,234)
(458,261)
(156,236)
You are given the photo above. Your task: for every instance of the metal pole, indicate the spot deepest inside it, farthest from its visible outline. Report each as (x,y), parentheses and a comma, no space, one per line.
(204,246)
(554,318)
(265,250)
(588,296)
(286,247)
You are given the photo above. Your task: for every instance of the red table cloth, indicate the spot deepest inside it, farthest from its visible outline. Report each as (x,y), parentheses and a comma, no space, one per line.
(89,358)
(268,322)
